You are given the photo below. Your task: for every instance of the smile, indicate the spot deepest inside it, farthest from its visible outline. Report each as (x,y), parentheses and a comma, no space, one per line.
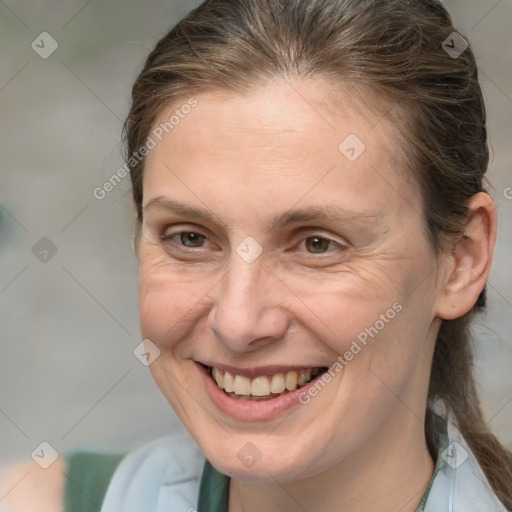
(263,387)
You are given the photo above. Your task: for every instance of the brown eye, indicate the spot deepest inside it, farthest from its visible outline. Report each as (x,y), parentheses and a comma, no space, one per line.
(190,239)
(316,244)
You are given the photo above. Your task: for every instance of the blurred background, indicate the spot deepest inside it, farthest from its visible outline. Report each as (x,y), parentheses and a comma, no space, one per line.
(68,294)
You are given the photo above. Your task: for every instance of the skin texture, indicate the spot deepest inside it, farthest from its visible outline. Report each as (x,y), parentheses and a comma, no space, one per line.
(246,159)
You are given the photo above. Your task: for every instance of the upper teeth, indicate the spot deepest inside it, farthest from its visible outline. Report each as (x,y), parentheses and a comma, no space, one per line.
(263,385)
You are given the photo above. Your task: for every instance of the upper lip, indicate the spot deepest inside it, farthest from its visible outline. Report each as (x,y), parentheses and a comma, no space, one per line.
(258,371)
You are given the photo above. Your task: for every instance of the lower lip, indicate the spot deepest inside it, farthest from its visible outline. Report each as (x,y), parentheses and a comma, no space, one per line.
(251,410)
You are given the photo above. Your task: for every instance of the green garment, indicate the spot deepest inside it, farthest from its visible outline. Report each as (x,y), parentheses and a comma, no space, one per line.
(87,477)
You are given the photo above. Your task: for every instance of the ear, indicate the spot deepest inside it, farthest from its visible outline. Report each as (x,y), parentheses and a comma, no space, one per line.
(467,266)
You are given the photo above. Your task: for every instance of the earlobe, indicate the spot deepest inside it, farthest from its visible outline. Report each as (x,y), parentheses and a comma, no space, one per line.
(469,263)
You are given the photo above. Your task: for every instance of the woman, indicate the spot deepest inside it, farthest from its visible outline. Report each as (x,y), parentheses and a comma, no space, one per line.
(313,237)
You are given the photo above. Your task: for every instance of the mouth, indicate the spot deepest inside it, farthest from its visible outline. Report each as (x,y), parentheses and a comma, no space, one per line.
(262,387)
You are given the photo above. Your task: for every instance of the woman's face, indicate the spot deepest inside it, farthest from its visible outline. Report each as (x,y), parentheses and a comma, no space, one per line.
(280,236)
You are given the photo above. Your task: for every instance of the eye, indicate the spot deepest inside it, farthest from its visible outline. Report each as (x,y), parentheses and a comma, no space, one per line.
(190,239)
(319,245)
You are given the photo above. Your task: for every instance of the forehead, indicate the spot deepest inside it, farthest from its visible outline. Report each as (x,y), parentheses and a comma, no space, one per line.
(284,112)
(285,134)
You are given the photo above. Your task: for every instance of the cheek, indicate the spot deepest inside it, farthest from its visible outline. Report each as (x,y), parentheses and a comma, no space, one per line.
(344,306)
(169,305)
(376,319)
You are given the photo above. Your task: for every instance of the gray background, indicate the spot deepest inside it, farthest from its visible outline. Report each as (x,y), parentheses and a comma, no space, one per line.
(69,325)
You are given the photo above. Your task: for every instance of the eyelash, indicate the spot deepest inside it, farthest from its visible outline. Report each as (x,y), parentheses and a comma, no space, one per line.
(171,236)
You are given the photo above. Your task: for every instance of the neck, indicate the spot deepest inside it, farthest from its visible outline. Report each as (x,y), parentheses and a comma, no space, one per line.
(388,473)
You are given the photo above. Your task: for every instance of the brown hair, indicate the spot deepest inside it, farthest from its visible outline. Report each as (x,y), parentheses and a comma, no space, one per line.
(395,48)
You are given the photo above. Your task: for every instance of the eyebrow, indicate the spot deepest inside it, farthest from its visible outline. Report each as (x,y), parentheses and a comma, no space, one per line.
(293,216)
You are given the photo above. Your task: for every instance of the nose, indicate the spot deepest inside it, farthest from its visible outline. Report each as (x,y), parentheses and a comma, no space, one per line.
(247,312)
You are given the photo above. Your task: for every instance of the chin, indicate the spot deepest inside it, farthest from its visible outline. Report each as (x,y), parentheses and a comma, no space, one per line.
(243,460)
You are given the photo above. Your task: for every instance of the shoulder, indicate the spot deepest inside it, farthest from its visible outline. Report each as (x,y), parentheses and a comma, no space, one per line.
(471,488)
(459,481)
(165,471)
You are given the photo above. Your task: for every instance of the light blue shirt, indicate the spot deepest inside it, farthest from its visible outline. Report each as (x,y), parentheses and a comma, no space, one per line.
(164,476)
